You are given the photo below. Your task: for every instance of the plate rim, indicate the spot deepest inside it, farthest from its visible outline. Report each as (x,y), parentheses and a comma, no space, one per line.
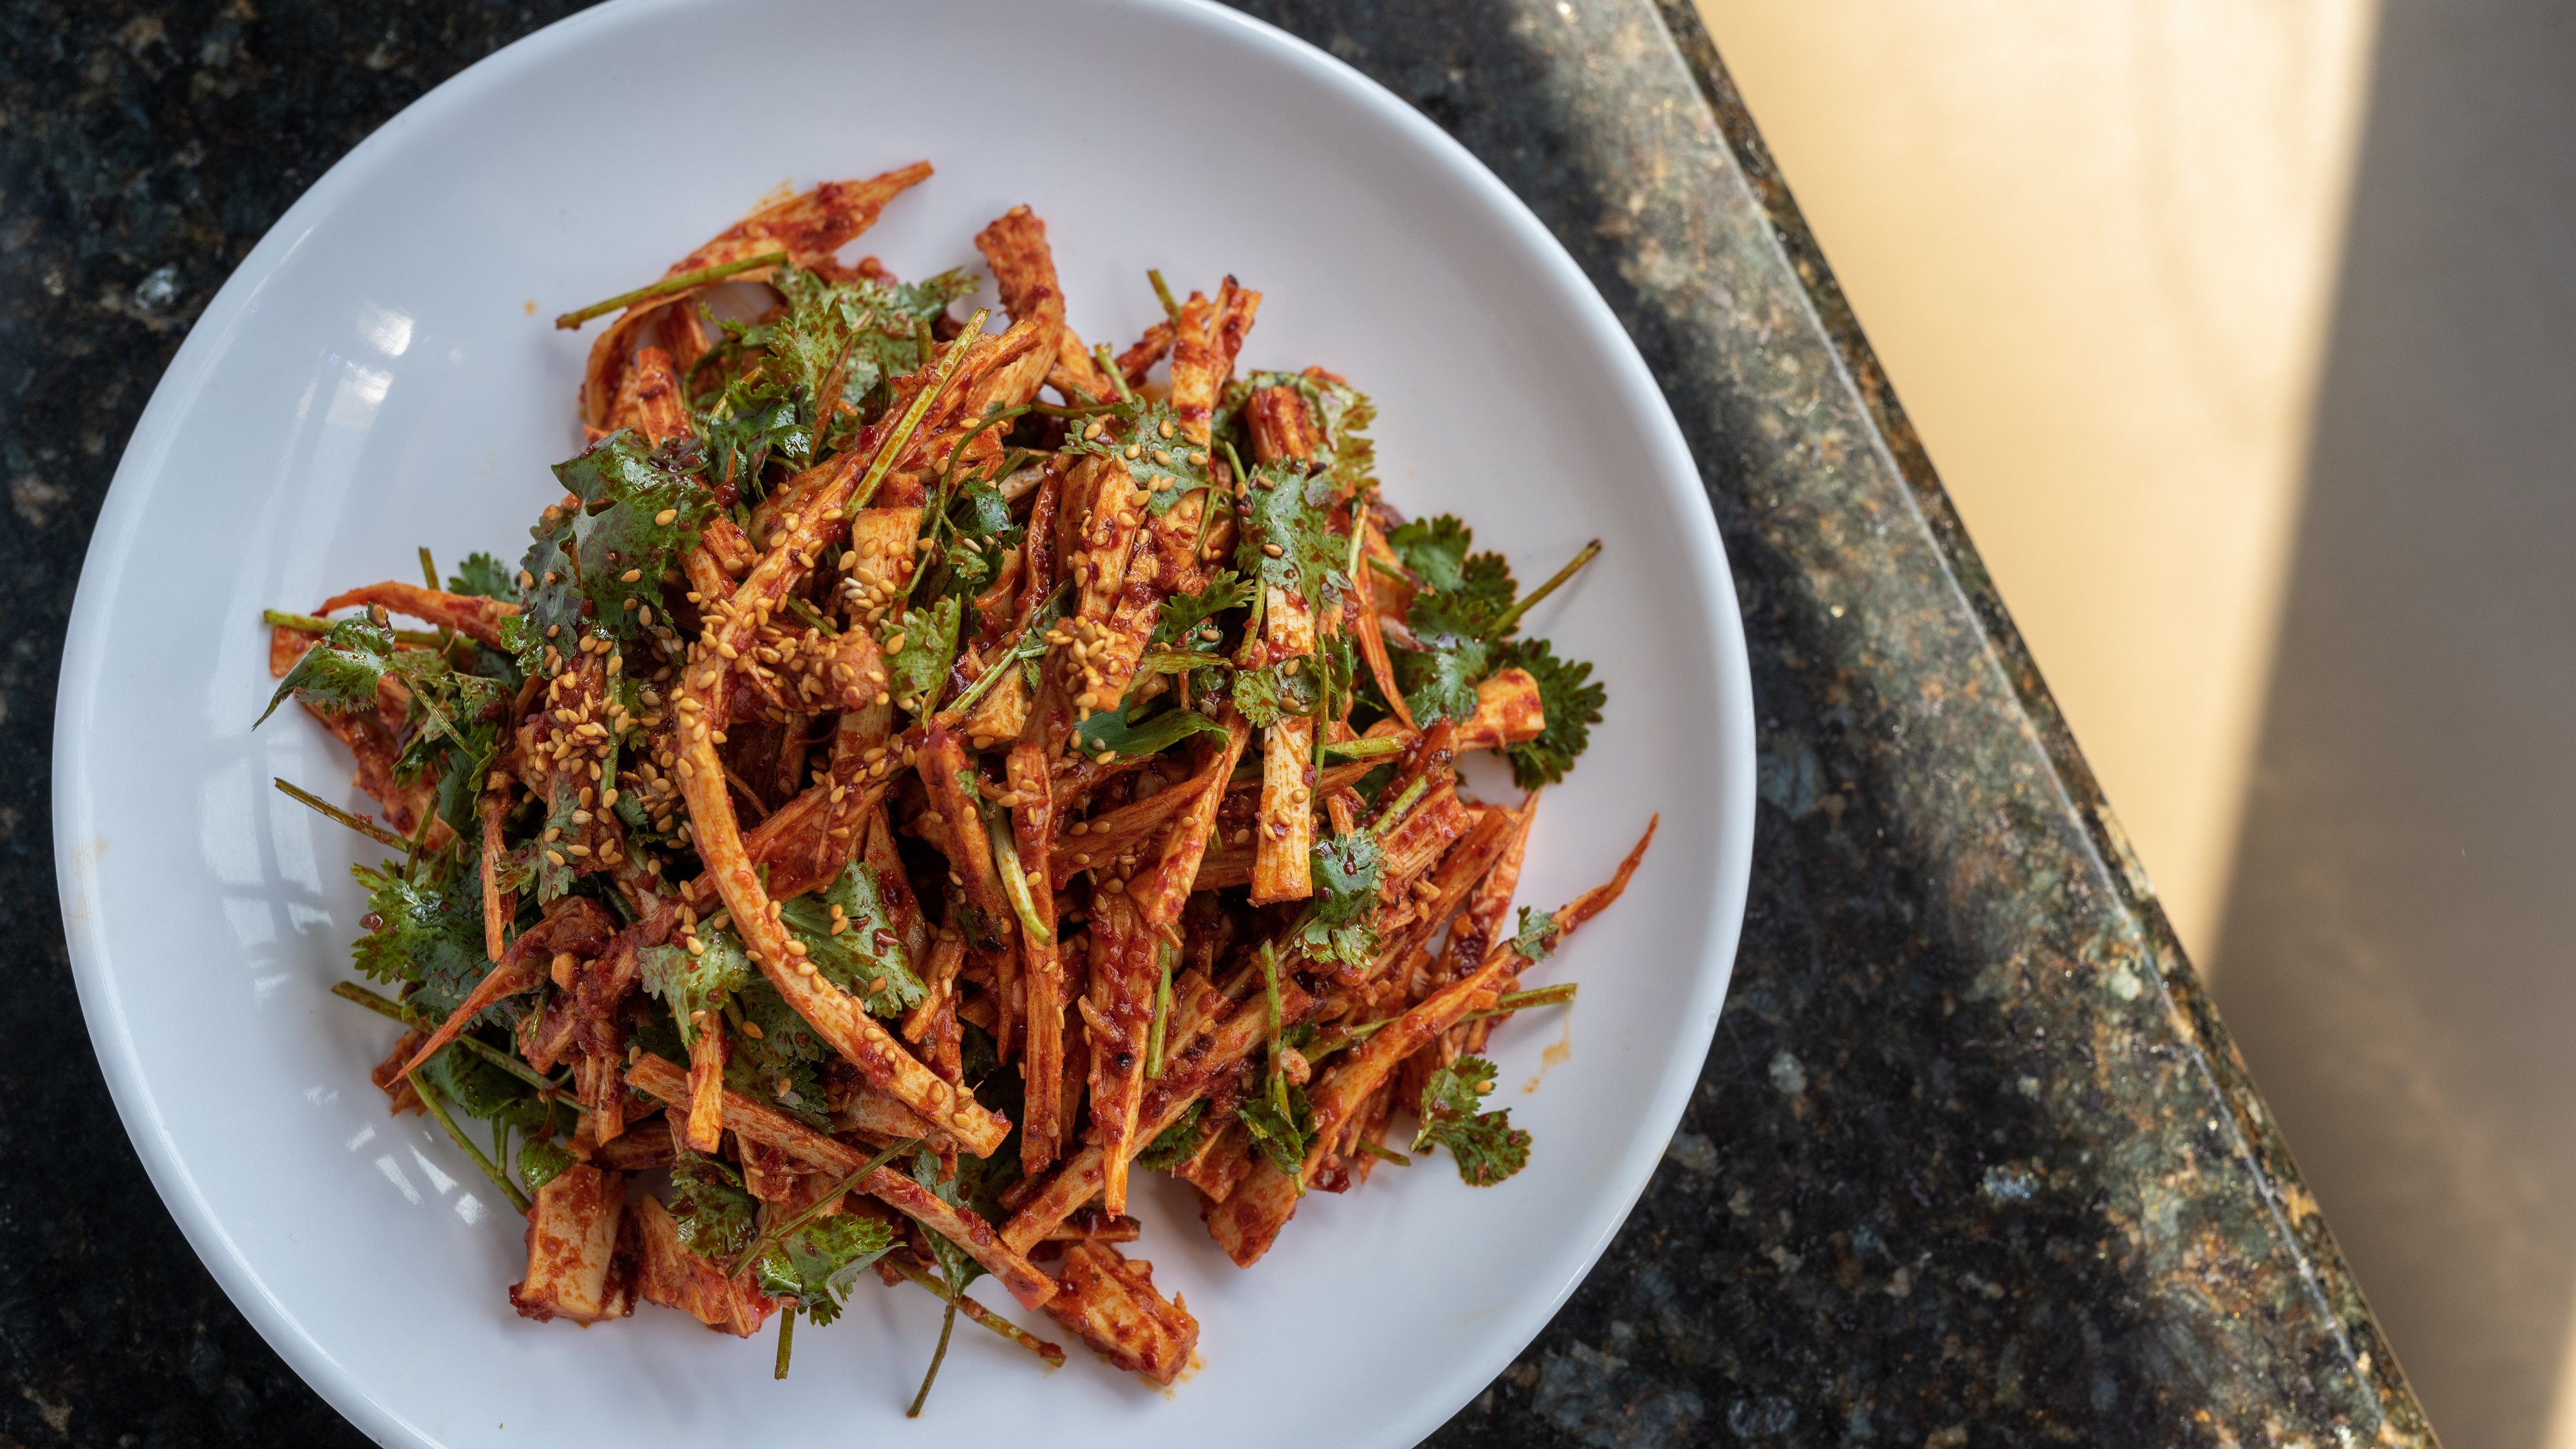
(142,468)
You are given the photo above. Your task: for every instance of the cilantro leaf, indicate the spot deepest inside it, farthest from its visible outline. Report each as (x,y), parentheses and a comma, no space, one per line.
(1184,615)
(1146,436)
(1433,550)
(541,1162)
(690,984)
(867,960)
(428,934)
(461,768)
(340,673)
(920,668)
(1477,606)
(748,422)
(554,870)
(1109,730)
(446,716)
(868,331)
(829,323)
(1283,509)
(1536,937)
(1336,668)
(1439,677)
(955,1268)
(1177,1143)
(819,1263)
(716,1218)
(479,1089)
(1487,1147)
(1289,689)
(1573,705)
(982,517)
(783,1064)
(1452,631)
(638,511)
(485,576)
(1280,1134)
(1339,922)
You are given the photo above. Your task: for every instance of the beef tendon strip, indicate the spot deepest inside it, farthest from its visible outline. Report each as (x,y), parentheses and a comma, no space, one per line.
(922,772)
(572,1246)
(1111,1302)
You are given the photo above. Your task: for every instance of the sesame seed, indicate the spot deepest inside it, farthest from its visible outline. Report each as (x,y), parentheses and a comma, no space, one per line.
(667,517)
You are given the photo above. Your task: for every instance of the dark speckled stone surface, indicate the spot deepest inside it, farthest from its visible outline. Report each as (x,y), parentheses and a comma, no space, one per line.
(1972,1161)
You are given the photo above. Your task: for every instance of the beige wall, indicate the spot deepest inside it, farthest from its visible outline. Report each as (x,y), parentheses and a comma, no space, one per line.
(2094,245)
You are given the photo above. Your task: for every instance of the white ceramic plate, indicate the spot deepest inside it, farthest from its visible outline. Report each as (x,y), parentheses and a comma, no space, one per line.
(380,374)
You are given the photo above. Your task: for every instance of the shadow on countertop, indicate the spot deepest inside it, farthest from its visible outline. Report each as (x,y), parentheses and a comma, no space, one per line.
(2395,957)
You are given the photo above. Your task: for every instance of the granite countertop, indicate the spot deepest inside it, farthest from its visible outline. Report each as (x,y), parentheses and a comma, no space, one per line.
(1972,1160)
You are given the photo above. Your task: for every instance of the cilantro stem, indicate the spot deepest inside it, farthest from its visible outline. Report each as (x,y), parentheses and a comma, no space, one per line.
(1271,1011)
(387,1007)
(807,612)
(668,285)
(419,839)
(1388,817)
(1050,410)
(1045,614)
(913,1272)
(1162,1014)
(947,1326)
(1365,749)
(1384,1153)
(1512,616)
(313,624)
(1388,569)
(776,1233)
(1015,881)
(1163,294)
(1108,363)
(429,575)
(896,441)
(429,1098)
(358,823)
(786,1340)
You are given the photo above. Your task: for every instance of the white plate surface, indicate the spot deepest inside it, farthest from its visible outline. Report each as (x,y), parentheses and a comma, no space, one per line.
(380,373)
